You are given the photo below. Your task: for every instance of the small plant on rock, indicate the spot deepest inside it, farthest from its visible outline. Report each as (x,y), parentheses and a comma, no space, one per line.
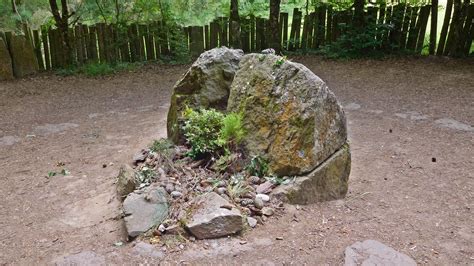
(231,132)
(258,166)
(201,130)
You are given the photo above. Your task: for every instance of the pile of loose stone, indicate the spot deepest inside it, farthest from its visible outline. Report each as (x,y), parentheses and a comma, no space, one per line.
(293,121)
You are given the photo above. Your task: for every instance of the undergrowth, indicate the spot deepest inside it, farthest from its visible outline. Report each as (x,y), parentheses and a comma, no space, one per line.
(96,69)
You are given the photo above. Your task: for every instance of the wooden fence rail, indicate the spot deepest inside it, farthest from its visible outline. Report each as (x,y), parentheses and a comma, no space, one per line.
(147,42)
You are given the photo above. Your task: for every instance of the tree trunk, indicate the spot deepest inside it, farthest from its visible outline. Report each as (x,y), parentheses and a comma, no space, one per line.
(235,24)
(454,28)
(359,13)
(62,24)
(434,25)
(274,41)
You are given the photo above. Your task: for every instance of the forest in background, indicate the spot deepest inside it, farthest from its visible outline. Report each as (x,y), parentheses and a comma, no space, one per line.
(65,33)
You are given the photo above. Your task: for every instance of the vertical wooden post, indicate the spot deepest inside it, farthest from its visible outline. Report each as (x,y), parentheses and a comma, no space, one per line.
(424,15)
(304,35)
(207,37)
(78,42)
(37,45)
(413,32)
(253,32)
(214,35)
(284,33)
(322,25)
(295,30)
(405,27)
(102,54)
(329,25)
(150,48)
(44,39)
(92,45)
(224,29)
(156,38)
(245,34)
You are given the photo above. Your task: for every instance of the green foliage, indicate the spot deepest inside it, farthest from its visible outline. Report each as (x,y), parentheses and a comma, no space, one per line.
(161,145)
(355,43)
(231,132)
(279,62)
(237,187)
(258,166)
(209,131)
(97,69)
(201,130)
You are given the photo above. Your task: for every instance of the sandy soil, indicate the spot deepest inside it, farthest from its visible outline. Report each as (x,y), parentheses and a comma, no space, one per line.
(401,114)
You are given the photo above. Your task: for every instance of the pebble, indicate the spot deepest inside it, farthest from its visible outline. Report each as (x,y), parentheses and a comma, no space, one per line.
(162,228)
(222,183)
(252,221)
(254,179)
(267,211)
(221,190)
(245,202)
(265,187)
(258,202)
(176,194)
(263,197)
(169,187)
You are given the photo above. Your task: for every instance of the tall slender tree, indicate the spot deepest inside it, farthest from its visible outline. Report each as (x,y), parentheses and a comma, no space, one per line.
(274,27)
(62,23)
(434,25)
(235,24)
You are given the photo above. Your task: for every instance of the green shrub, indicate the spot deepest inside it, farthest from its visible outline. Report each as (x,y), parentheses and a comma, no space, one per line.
(210,131)
(258,166)
(231,132)
(201,129)
(97,69)
(356,43)
(161,145)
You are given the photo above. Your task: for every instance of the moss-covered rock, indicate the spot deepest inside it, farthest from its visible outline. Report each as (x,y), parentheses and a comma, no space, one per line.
(23,56)
(205,85)
(292,118)
(6,70)
(327,182)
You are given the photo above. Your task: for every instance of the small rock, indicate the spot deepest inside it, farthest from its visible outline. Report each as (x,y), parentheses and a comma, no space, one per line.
(279,238)
(175,230)
(140,156)
(265,187)
(254,180)
(263,197)
(142,214)
(176,194)
(371,252)
(267,211)
(126,181)
(181,246)
(246,202)
(222,183)
(258,203)
(252,221)
(221,190)
(169,188)
(209,220)
(243,242)
(162,228)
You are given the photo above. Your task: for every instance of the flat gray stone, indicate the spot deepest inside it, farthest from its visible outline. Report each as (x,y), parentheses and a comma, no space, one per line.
(8,140)
(371,252)
(211,220)
(453,124)
(84,258)
(145,210)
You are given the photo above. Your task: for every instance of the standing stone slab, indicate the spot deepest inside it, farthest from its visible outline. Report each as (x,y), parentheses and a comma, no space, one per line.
(126,181)
(145,210)
(371,252)
(6,70)
(293,118)
(205,85)
(329,181)
(212,218)
(23,56)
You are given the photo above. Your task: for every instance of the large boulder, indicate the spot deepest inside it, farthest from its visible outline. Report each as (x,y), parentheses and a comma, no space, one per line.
(23,56)
(291,117)
(205,85)
(214,217)
(329,181)
(145,209)
(6,70)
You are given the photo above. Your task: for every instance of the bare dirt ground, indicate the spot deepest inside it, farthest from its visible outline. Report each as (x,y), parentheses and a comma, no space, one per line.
(401,114)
